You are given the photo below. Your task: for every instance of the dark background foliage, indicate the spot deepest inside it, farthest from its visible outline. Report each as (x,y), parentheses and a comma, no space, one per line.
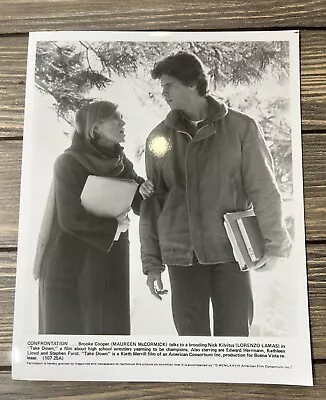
(68,71)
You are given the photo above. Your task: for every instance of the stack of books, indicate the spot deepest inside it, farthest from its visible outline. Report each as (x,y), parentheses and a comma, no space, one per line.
(245,237)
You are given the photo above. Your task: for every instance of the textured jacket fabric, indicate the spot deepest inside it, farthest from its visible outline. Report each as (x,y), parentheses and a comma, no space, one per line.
(199,175)
(83,271)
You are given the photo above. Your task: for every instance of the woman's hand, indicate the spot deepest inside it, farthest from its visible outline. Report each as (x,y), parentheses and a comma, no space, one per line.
(146,189)
(123,223)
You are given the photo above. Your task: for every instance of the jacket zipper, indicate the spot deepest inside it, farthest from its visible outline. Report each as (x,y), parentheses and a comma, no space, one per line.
(187,201)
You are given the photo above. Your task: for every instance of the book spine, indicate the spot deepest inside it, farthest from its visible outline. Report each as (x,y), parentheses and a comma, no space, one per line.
(236,252)
(247,241)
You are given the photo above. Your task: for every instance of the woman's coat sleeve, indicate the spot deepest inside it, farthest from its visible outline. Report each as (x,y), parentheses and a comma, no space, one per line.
(135,205)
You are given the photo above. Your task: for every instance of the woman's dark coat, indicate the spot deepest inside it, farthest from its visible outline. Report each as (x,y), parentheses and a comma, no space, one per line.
(84,273)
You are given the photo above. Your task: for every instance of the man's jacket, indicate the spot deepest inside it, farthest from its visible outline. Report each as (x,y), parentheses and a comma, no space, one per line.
(225,167)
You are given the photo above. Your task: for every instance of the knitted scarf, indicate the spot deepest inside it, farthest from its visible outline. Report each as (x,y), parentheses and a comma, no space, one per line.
(98,160)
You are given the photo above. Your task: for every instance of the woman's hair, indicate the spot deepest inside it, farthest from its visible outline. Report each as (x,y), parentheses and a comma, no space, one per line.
(185,67)
(91,114)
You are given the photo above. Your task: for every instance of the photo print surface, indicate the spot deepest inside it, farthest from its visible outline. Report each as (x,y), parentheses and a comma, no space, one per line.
(204,124)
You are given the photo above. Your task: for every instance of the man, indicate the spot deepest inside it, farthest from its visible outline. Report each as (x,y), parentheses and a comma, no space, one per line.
(205,160)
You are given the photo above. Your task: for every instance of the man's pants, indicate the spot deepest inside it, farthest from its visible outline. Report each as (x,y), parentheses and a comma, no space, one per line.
(225,285)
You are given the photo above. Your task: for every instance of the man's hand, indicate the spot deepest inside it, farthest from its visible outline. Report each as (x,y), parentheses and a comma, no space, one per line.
(154,282)
(267,263)
(146,189)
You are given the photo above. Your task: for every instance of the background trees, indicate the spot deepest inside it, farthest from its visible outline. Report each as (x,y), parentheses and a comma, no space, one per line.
(249,76)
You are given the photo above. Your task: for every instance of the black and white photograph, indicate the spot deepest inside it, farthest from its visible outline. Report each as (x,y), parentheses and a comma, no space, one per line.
(161,232)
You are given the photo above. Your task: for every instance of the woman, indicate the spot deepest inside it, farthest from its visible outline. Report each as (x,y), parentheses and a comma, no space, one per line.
(84,271)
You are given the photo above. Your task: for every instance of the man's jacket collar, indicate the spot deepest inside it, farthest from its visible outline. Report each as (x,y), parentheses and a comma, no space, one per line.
(216,110)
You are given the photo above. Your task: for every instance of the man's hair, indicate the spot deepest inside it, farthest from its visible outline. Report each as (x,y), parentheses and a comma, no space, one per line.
(185,67)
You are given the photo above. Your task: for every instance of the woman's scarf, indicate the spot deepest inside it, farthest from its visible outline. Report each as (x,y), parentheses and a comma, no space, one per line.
(98,160)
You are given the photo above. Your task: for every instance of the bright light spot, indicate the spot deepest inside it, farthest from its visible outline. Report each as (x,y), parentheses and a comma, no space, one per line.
(159,146)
